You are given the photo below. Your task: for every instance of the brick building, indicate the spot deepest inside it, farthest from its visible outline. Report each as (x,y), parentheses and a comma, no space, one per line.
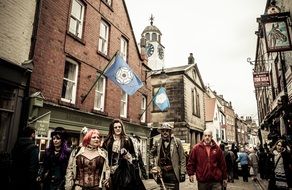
(75,41)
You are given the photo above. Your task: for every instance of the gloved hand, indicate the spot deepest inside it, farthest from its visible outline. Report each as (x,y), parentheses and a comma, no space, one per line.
(182,177)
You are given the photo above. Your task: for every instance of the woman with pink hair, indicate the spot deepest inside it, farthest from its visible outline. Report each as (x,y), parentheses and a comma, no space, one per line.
(88,165)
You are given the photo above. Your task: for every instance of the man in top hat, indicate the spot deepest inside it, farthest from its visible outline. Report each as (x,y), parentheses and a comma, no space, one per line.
(167,156)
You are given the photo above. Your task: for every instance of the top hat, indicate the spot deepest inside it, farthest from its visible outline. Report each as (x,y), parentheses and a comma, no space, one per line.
(164,126)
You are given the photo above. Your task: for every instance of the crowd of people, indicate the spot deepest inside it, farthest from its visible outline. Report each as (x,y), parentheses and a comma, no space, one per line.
(115,163)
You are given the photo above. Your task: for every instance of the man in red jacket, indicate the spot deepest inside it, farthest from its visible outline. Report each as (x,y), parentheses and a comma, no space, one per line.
(206,160)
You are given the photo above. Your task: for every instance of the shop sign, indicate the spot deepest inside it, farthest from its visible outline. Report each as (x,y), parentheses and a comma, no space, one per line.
(276,32)
(261,79)
(41,124)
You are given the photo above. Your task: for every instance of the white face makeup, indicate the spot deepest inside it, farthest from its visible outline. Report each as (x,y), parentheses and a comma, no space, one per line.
(118,128)
(95,140)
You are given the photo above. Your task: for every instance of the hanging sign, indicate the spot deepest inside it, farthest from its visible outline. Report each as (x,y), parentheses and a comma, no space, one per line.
(261,79)
(276,32)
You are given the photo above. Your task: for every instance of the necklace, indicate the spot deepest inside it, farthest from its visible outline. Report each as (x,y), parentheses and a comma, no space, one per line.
(91,148)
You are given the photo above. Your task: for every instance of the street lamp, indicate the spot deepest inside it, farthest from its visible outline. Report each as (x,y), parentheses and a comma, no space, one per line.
(161,72)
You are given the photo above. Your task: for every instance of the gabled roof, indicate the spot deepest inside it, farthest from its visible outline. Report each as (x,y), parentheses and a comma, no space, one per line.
(184,69)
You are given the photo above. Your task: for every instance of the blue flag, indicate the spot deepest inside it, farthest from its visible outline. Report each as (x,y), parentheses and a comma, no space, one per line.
(123,76)
(161,99)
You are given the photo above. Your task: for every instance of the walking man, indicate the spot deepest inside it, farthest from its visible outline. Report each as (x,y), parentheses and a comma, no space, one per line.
(167,154)
(207,162)
(25,162)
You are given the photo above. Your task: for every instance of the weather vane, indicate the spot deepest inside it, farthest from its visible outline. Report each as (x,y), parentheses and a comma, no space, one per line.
(151,19)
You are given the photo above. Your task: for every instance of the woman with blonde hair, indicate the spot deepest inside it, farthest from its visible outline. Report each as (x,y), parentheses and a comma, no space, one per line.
(88,165)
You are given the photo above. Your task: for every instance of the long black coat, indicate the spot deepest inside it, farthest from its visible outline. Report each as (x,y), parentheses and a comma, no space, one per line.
(54,169)
(124,177)
(25,164)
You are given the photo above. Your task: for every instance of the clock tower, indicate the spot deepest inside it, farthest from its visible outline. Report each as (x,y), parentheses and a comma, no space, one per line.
(153,47)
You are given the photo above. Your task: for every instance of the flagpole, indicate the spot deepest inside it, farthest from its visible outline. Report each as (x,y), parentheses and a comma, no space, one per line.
(149,103)
(83,97)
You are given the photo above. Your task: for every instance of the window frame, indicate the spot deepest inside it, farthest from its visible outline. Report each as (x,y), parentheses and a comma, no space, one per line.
(103,41)
(124,48)
(101,92)
(124,105)
(75,82)
(78,30)
(108,2)
(143,109)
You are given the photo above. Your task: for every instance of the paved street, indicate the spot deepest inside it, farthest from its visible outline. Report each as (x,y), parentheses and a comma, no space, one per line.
(237,185)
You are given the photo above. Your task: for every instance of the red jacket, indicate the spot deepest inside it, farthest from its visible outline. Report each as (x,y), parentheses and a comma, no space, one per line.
(207,169)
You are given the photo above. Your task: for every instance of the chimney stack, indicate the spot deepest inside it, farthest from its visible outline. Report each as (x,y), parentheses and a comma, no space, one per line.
(191,59)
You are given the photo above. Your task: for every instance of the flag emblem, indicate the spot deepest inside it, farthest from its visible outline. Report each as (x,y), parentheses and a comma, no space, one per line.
(124,75)
(161,100)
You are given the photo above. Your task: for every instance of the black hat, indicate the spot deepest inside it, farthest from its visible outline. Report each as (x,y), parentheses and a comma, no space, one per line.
(59,131)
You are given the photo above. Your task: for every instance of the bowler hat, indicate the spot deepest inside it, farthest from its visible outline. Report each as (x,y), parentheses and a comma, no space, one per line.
(164,126)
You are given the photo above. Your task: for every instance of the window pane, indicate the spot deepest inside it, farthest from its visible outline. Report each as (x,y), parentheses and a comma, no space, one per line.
(67,90)
(70,71)
(124,47)
(123,108)
(154,37)
(99,94)
(76,10)
(69,82)
(103,37)
(76,20)
(73,26)
(143,109)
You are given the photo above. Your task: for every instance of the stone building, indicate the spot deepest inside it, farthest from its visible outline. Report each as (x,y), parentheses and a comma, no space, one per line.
(185,90)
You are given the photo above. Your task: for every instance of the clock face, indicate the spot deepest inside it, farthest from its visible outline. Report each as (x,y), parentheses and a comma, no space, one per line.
(150,49)
(160,52)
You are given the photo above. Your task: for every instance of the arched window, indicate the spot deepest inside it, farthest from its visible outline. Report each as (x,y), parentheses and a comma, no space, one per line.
(154,37)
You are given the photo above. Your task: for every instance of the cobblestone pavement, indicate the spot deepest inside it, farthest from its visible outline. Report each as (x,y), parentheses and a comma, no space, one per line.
(150,184)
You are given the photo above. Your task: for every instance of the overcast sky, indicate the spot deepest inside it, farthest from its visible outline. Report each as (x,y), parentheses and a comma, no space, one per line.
(220,34)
